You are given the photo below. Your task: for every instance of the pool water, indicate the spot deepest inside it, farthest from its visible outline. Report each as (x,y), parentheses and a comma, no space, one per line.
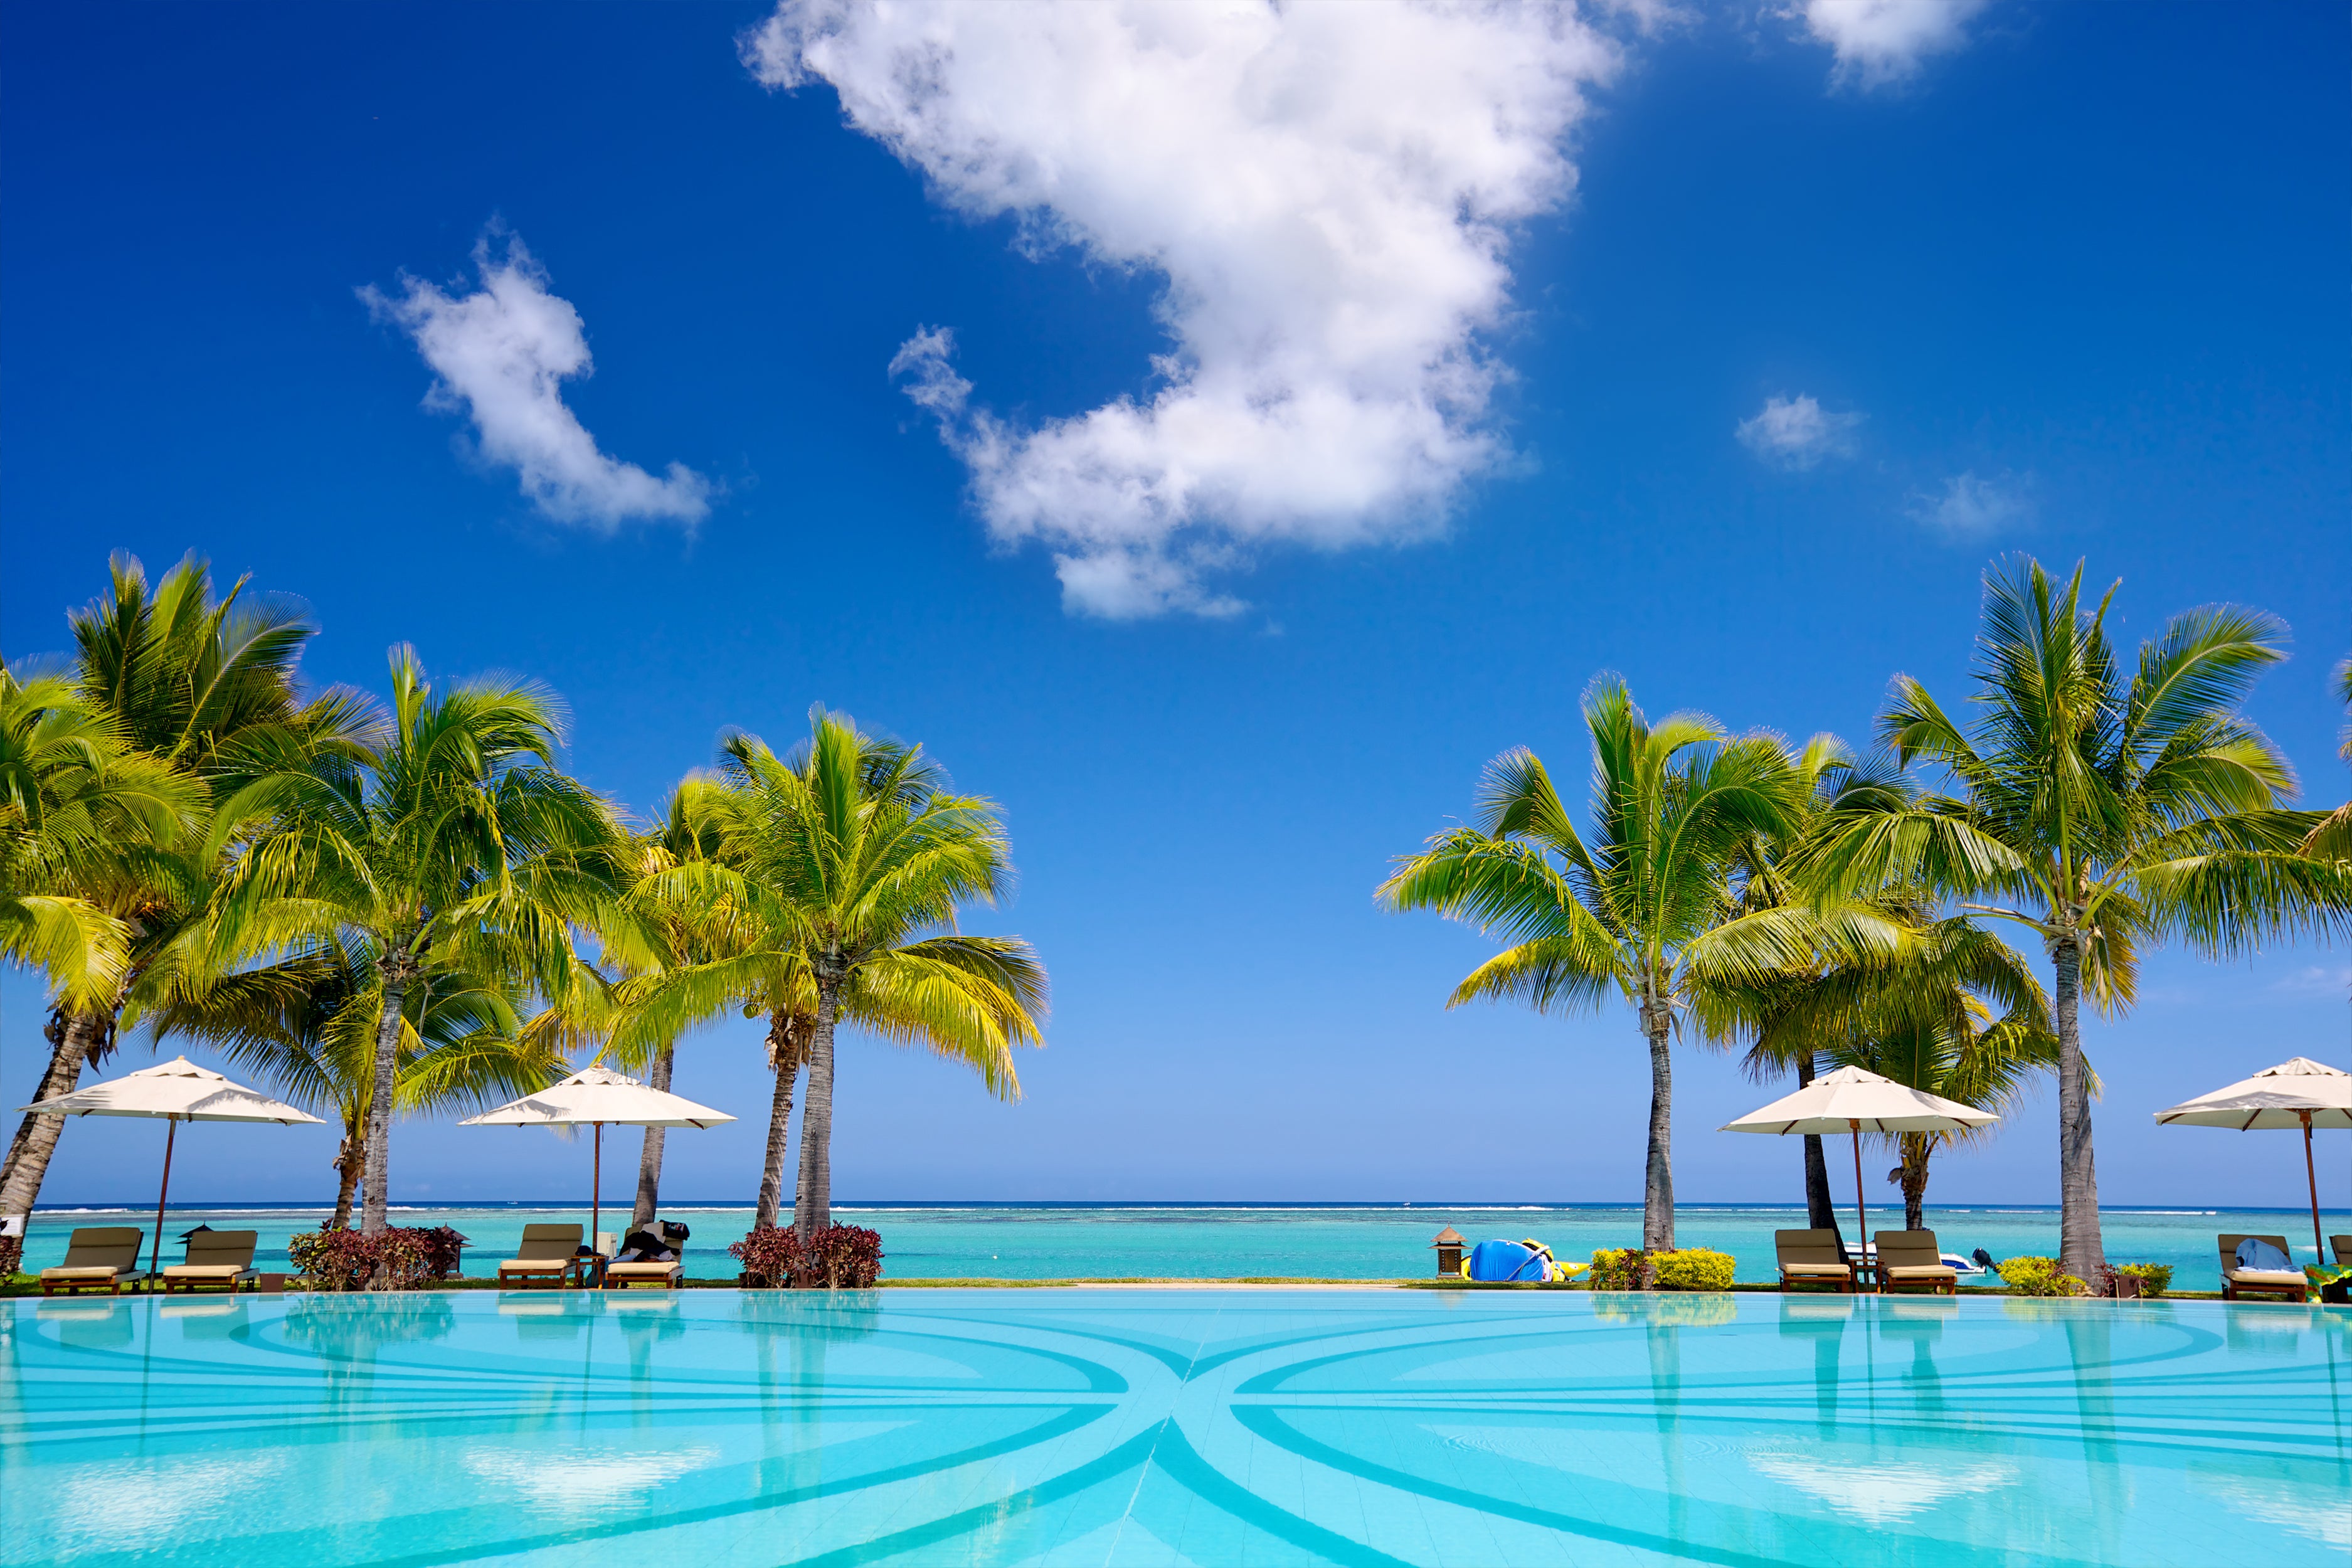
(1140,1426)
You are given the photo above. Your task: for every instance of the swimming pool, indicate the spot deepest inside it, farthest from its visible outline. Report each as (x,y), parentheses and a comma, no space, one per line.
(1130,1427)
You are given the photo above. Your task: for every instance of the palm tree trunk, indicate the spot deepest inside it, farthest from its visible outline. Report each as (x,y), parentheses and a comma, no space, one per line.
(379,1110)
(1916,1147)
(814,1211)
(1658,1185)
(1821,1206)
(70,1039)
(649,1160)
(786,1063)
(349,1161)
(2081,1251)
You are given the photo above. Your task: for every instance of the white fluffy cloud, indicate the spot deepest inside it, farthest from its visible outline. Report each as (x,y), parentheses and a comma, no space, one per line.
(1328,190)
(1881,41)
(1971,508)
(502,354)
(1798,432)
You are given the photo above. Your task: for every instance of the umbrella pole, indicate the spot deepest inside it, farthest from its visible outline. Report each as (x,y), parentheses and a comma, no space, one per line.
(155,1258)
(2311,1174)
(1861,1208)
(596,1194)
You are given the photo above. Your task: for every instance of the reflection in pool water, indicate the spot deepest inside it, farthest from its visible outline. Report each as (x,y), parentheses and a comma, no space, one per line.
(1134,1427)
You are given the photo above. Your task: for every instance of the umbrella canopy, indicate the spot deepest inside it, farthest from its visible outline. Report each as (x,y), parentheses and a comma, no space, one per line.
(1854,1101)
(2277,1098)
(599,1098)
(2300,1093)
(178,1091)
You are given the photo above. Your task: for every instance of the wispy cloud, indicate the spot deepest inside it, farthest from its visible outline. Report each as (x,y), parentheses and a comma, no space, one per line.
(502,354)
(1971,508)
(1883,41)
(1328,190)
(1798,432)
(2316,980)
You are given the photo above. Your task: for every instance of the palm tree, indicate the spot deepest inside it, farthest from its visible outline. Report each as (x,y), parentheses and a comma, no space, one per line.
(1645,907)
(457,849)
(2100,811)
(842,869)
(201,689)
(308,1025)
(68,792)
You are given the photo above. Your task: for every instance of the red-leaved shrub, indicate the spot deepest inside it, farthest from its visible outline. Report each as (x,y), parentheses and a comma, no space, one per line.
(840,1256)
(398,1257)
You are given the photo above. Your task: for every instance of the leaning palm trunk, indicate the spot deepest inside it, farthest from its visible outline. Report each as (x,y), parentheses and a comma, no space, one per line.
(379,1111)
(2081,1251)
(1658,1187)
(650,1161)
(349,1160)
(72,1039)
(814,1211)
(786,1063)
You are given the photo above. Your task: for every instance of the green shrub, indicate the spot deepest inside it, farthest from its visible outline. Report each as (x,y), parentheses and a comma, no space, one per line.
(1692,1269)
(2037,1277)
(2155,1279)
(1620,1269)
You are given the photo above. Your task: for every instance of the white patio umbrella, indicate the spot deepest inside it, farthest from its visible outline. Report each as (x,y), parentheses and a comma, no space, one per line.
(2301,1093)
(178,1091)
(1851,1100)
(599,1098)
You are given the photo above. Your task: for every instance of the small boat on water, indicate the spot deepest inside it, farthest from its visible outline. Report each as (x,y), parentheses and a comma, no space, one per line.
(1868,1253)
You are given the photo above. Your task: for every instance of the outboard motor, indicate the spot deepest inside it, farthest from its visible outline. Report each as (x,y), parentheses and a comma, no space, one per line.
(1984,1261)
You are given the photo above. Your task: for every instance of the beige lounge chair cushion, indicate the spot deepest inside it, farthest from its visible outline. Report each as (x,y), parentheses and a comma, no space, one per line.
(535,1265)
(2265,1277)
(1817,1271)
(100,1274)
(1923,1271)
(205,1272)
(643,1269)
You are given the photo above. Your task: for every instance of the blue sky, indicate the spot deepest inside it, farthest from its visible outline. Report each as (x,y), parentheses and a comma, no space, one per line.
(2064,278)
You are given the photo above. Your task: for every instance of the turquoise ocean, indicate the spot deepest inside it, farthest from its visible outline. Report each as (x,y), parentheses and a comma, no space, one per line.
(1227,1241)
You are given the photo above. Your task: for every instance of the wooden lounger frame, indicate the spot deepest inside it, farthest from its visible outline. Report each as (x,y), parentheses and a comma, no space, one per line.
(2263,1290)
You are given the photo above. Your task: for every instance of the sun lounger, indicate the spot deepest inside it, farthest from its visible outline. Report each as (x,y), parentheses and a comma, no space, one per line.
(1809,1260)
(622,1276)
(217,1259)
(1910,1261)
(548,1252)
(98,1257)
(2239,1284)
(652,1256)
(2342,1247)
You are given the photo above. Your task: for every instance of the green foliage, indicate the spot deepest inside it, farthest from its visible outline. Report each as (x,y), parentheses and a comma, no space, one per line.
(2155,1279)
(1620,1269)
(838,1258)
(2037,1277)
(1691,1268)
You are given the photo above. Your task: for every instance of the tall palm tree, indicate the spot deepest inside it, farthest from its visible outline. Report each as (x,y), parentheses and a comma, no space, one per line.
(2101,809)
(457,849)
(1645,907)
(202,686)
(845,866)
(307,1026)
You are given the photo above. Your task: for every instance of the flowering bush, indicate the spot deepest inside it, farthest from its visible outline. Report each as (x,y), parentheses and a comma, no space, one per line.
(840,1256)
(2155,1279)
(398,1257)
(1620,1269)
(1692,1269)
(2037,1277)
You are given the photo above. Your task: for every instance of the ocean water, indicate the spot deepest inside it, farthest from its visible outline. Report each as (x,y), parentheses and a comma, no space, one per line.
(1154,1427)
(1011,1241)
